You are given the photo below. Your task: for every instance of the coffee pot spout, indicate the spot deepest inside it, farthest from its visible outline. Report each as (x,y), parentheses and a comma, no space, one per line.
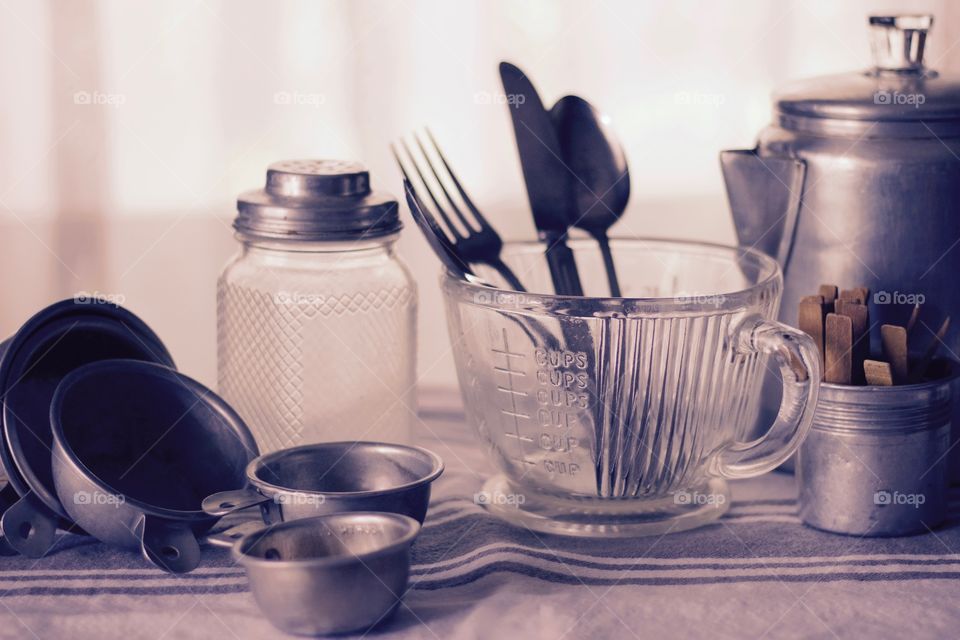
(765,195)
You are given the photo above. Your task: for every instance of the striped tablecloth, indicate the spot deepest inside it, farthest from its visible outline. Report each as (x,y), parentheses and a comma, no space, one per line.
(756,573)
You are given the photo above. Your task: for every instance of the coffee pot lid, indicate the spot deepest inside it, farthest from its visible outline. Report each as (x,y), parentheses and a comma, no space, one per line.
(897,97)
(316,200)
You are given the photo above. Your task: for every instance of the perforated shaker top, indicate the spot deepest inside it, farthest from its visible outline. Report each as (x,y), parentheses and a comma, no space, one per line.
(316,200)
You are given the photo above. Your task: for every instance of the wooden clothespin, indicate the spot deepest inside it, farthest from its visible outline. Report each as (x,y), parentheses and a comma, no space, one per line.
(811,316)
(860,321)
(838,352)
(894,340)
(859,295)
(878,373)
(829,294)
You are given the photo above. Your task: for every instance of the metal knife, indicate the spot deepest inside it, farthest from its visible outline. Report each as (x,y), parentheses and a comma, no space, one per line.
(546,176)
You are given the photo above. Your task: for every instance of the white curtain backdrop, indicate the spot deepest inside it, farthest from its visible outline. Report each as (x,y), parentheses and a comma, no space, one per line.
(129,127)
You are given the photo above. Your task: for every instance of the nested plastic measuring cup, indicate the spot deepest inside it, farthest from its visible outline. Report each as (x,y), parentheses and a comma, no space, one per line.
(625,416)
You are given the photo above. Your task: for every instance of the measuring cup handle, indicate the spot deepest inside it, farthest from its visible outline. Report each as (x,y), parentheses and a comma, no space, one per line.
(172,546)
(29,527)
(799,361)
(220,504)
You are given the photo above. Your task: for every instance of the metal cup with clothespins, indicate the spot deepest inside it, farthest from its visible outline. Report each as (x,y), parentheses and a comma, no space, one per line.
(882,424)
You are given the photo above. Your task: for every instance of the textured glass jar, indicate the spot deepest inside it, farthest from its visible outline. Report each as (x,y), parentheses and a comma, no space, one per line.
(317,328)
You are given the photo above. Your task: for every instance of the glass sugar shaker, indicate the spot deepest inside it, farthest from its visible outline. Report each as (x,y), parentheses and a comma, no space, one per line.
(316,315)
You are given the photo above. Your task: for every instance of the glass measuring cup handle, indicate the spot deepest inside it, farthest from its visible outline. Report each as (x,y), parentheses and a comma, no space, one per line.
(799,362)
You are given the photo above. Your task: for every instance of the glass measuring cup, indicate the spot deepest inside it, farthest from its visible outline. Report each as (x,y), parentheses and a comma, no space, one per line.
(625,416)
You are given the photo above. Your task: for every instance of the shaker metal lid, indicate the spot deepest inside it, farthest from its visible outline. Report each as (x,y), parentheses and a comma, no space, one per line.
(316,200)
(897,97)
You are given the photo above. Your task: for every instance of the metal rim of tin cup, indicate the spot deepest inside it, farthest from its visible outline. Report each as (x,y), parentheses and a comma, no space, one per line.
(892,397)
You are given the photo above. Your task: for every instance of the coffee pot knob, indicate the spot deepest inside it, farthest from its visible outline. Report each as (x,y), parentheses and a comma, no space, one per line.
(898,41)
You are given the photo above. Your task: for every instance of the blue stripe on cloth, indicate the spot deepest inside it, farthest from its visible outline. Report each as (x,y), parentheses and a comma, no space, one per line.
(502,567)
(149,574)
(641,565)
(718,540)
(198,590)
(570,579)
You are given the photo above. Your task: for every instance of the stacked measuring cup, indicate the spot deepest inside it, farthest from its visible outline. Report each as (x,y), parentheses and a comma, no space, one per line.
(95,418)
(103,436)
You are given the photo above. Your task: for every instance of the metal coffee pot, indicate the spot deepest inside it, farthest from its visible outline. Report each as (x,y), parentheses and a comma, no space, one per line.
(857,182)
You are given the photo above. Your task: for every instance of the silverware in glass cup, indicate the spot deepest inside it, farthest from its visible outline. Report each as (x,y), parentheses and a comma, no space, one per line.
(633,417)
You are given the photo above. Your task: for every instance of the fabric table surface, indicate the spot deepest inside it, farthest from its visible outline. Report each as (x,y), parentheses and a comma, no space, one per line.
(757,572)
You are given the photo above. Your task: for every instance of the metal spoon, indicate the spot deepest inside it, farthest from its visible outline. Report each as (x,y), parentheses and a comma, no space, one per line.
(601,187)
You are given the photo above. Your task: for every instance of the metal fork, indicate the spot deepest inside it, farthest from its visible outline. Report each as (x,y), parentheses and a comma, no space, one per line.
(436,237)
(474,241)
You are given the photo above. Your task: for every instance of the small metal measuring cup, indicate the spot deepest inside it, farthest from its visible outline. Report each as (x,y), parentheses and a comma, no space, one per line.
(875,462)
(329,574)
(330,477)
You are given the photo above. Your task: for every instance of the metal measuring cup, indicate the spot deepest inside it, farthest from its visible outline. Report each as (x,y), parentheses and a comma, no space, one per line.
(330,477)
(329,574)
(55,341)
(136,447)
